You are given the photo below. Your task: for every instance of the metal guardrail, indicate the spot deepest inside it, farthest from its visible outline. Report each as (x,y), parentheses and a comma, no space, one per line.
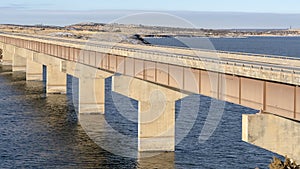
(219,61)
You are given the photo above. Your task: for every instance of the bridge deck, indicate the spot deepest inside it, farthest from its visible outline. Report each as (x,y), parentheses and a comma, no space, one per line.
(283,63)
(257,81)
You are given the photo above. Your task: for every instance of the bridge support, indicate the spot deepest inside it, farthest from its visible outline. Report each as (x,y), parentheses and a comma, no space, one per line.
(19,63)
(162,160)
(34,71)
(156,121)
(156,125)
(7,53)
(91,95)
(273,133)
(56,80)
(91,86)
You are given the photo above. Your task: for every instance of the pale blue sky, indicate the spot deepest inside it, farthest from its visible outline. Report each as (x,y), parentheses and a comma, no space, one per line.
(203,14)
(266,6)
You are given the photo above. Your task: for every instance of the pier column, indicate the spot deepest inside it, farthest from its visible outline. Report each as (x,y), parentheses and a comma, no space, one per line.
(7,54)
(19,60)
(91,91)
(19,63)
(56,80)
(156,125)
(34,71)
(273,133)
(156,112)
(91,95)
(155,160)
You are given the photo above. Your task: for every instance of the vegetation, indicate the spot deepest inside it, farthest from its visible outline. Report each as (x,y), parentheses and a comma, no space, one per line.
(143,30)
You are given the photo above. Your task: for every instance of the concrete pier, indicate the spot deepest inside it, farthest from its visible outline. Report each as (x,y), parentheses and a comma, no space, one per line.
(156,112)
(18,62)
(163,160)
(56,80)
(91,86)
(156,125)
(7,53)
(91,95)
(34,71)
(273,133)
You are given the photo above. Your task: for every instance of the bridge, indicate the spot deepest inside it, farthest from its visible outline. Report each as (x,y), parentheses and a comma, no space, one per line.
(263,82)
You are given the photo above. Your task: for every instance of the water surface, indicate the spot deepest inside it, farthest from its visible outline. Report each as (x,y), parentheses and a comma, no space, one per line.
(42,131)
(282,46)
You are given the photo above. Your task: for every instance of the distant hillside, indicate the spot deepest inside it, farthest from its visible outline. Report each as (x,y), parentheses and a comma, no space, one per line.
(130,33)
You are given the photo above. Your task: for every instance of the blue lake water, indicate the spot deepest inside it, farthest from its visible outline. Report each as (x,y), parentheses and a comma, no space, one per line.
(283,46)
(39,131)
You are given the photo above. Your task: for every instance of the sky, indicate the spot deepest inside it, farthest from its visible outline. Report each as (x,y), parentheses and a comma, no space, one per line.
(268,6)
(204,14)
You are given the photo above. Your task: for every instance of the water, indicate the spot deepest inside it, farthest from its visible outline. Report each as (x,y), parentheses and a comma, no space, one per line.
(39,131)
(282,46)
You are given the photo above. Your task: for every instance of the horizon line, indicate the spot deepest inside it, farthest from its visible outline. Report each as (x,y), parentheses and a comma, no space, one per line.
(150,10)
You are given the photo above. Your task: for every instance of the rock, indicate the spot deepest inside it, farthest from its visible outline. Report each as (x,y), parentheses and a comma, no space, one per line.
(287,164)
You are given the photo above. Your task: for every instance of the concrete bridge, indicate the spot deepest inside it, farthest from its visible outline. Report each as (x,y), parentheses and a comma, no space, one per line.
(266,83)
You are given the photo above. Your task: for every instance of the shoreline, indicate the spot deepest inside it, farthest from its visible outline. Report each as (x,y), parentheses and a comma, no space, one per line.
(244,36)
(134,34)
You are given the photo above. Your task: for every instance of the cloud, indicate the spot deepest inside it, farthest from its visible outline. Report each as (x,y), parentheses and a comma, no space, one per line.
(25,6)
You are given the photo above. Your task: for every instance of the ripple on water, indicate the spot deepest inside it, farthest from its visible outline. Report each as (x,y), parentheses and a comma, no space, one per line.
(42,132)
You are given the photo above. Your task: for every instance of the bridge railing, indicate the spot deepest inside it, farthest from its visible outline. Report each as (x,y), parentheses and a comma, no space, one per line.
(257,65)
(169,58)
(96,43)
